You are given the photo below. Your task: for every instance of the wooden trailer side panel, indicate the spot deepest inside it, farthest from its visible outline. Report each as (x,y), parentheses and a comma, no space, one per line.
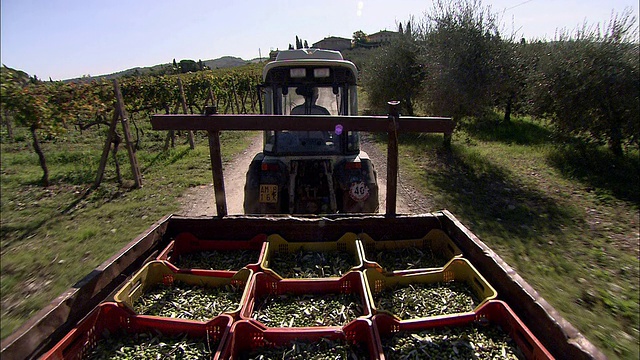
(53,322)
(558,335)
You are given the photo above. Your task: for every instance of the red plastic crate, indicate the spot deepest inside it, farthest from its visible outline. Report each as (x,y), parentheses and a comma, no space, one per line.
(110,318)
(494,312)
(264,284)
(249,335)
(186,243)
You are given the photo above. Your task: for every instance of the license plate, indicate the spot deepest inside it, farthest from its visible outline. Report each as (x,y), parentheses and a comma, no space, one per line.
(269,193)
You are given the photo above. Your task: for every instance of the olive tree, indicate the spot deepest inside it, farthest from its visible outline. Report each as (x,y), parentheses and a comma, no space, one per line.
(394,72)
(28,106)
(588,84)
(463,53)
(44,108)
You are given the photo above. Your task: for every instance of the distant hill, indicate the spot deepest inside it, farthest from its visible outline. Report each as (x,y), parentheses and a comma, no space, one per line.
(220,63)
(225,62)
(18,75)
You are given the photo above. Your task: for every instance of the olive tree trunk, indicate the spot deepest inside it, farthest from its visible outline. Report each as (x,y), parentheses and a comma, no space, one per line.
(7,122)
(615,140)
(43,161)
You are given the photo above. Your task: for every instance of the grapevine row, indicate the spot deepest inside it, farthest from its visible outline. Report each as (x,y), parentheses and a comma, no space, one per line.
(52,106)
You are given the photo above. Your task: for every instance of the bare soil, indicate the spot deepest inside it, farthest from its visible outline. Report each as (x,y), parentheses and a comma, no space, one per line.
(199,200)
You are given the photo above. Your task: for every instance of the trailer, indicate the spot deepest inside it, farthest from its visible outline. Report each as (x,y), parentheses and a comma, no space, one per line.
(51,324)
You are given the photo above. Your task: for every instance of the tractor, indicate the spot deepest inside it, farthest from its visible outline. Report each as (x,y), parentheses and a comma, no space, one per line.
(310,171)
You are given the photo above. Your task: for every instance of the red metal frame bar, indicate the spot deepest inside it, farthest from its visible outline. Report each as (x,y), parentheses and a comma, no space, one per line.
(218,122)
(393,124)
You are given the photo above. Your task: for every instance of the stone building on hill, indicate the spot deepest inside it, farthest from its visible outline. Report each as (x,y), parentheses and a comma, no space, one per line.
(333,43)
(384,36)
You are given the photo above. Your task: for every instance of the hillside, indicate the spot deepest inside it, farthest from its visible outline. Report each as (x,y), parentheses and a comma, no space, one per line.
(225,62)
(220,63)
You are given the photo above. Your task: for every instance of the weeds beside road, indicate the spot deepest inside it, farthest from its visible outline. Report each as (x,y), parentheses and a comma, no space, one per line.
(564,216)
(52,237)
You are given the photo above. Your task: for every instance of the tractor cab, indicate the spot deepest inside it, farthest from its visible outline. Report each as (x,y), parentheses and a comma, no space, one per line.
(310,171)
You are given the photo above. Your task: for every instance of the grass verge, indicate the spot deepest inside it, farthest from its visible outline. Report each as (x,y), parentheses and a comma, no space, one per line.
(52,237)
(564,216)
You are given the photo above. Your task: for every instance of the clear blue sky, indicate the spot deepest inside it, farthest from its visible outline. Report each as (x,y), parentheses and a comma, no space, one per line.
(64,39)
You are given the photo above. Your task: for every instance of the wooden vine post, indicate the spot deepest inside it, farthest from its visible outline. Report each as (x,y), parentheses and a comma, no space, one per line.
(119,113)
(213,99)
(392,158)
(183,100)
(235,97)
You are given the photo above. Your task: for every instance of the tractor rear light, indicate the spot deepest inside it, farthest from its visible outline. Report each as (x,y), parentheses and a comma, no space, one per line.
(353,165)
(321,73)
(270,167)
(298,72)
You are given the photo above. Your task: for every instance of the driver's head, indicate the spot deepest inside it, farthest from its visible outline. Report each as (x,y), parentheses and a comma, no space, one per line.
(310,93)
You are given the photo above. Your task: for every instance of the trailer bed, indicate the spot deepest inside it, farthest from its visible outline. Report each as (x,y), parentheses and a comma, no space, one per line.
(52,323)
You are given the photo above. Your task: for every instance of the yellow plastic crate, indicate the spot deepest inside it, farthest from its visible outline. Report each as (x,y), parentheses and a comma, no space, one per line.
(436,242)
(457,270)
(158,272)
(276,244)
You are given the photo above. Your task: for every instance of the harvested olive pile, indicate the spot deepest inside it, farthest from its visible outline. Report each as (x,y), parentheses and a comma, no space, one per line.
(185,301)
(307,310)
(311,264)
(407,258)
(467,342)
(231,260)
(422,300)
(299,350)
(150,346)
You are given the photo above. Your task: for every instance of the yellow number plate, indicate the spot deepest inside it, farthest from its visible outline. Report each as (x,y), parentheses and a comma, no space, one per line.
(268,193)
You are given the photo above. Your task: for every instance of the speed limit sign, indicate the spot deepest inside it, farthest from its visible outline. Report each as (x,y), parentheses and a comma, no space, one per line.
(359,191)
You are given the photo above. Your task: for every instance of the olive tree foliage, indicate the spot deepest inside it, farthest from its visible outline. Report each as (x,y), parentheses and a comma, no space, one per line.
(587,83)
(359,38)
(46,108)
(509,87)
(395,72)
(27,103)
(465,59)
(10,79)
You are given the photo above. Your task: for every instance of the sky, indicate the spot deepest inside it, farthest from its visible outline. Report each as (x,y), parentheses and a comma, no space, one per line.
(62,39)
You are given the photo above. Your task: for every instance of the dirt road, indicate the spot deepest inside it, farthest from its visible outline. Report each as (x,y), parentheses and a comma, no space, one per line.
(199,201)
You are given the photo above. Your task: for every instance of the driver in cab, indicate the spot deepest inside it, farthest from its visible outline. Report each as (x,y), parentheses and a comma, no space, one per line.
(309,107)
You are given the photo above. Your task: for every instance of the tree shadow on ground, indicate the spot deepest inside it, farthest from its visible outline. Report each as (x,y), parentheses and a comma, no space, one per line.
(594,166)
(597,168)
(514,132)
(171,157)
(488,195)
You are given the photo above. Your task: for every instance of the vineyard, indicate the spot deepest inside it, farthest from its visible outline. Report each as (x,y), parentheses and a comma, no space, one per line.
(64,126)
(52,109)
